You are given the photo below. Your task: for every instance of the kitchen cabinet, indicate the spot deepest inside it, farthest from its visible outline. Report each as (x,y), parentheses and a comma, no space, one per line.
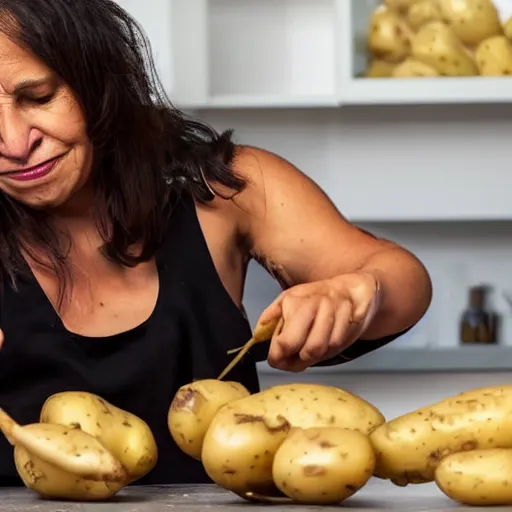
(279,58)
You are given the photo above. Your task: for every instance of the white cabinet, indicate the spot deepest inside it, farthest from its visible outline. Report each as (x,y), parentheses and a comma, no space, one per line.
(155,17)
(270,53)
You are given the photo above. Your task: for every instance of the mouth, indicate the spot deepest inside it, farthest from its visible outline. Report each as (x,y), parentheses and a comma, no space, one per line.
(35,172)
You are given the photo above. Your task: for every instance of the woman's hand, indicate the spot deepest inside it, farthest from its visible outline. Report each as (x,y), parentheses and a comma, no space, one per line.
(321,319)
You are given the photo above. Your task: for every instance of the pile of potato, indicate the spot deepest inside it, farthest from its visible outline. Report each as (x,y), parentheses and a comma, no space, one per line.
(83,449)
(315,444)
(438,38)
(304,443)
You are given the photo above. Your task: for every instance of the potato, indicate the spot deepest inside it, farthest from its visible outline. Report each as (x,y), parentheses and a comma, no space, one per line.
(49,481)
(399,5)
(494,57)
(410,447)
(238,451)
(412,68)
(436,45)
(380,69)
(422,12)
(62,462)
(323,465)
(480,477)
(126,436)
(471,20)
(244,435)
(193,408)
(507,29)
(70,449)
(388,36)
(83,449)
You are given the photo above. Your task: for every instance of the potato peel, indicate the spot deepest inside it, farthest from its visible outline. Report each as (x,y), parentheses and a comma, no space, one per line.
(262,333)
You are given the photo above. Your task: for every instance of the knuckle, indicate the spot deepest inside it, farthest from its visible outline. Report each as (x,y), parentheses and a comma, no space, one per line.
(336,343)
(274,362)
(313,353)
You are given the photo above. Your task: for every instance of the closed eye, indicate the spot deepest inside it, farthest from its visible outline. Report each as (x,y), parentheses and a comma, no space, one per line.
(42,99)
(37,100)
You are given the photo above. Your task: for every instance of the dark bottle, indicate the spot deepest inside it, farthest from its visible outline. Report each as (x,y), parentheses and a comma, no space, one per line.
(478,325)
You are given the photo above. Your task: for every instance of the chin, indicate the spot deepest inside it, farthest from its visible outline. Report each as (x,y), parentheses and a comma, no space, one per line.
(44,200)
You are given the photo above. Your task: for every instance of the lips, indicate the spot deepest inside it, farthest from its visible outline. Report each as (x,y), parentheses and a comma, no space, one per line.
(33,173)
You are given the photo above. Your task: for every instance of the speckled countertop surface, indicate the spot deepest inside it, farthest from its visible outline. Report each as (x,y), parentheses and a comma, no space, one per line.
(377,496)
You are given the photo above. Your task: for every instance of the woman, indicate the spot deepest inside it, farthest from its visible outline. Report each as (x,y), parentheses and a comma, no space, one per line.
(126,230)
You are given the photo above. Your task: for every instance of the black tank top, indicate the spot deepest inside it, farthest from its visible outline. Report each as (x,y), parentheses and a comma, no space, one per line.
(194,323)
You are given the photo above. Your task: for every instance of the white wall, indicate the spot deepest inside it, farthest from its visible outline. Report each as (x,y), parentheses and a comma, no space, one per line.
(330,145)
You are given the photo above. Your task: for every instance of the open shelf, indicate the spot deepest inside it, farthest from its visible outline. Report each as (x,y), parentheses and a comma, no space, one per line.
(265,53)
(392,360)
(229,54)
(357,90)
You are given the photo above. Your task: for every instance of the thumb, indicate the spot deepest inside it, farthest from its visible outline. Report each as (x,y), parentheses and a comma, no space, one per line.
(273,311)
(1,338)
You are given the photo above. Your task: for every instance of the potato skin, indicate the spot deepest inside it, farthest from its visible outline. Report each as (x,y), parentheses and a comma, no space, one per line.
(409,448)
(422,12)
(494,57)
(126,436)
(380,69)
(323,465)
(507,29)
(412,68)
(312,405)
(238,451)
(477,478)
(193,408)
(242,440)
(49,481)
(388,36)
(436,45)
(399,5)
(471,20)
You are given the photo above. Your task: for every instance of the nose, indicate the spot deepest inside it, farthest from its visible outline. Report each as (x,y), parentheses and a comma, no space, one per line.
(18,139)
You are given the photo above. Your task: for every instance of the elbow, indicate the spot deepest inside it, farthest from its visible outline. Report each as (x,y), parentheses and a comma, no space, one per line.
(416,293)
(406,295)
(420,292)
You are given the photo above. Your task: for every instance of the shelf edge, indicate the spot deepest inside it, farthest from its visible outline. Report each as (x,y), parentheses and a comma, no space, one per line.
(462,359)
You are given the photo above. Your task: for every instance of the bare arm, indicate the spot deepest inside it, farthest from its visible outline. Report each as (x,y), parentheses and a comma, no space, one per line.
(296,232)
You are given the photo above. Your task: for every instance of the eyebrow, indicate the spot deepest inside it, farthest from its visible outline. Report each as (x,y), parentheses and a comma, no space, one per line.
(31,84)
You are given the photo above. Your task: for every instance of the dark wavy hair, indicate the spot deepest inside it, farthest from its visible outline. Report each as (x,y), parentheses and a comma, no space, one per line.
(145,148)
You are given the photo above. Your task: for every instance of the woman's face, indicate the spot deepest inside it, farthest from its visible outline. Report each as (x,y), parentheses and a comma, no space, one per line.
(45,154)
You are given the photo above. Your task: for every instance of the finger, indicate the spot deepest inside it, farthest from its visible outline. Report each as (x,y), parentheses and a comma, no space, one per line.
(317,342)
(343,333)
(371,311)
(298,316)
(1,338)
(293,365)
(366,300)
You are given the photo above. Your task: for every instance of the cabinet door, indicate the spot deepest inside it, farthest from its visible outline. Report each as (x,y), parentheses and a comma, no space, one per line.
(155,17)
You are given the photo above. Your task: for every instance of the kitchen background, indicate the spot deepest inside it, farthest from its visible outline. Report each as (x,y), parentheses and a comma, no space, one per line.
(423,161)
